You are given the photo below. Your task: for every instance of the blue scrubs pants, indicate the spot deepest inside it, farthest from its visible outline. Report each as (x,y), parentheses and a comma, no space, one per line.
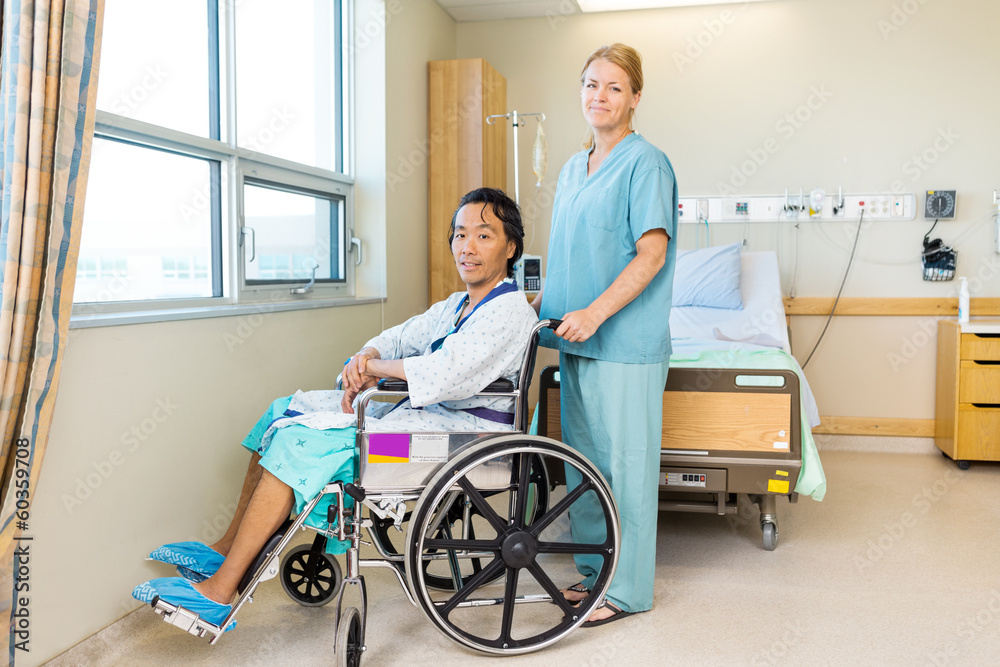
(612,413)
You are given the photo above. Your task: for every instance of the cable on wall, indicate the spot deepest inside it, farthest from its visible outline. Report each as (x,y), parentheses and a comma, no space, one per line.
(840,291)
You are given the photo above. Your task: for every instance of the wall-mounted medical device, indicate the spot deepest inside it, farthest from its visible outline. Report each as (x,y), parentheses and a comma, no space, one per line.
(528,273)
(939,204)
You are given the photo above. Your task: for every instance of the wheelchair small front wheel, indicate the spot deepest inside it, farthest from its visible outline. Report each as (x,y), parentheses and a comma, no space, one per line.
(310,577)
(349,644)
(530,557)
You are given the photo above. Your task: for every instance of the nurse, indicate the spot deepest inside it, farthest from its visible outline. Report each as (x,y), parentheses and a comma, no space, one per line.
(610,273)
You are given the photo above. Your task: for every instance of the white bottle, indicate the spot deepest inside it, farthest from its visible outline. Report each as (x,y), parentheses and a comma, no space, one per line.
(963,300)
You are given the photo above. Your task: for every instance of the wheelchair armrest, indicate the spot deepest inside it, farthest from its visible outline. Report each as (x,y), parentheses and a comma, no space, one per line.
(497,386)
(392,384)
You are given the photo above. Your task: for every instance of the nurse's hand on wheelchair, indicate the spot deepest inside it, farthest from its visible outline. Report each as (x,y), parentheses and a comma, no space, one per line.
(579,325)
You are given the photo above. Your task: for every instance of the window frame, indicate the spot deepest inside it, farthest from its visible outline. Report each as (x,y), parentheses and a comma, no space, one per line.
(235,166)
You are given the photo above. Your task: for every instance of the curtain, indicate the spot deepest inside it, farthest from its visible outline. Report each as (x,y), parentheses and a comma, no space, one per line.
(49,83)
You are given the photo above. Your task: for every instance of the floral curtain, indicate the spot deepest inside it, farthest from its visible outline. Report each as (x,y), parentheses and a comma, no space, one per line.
(48,79)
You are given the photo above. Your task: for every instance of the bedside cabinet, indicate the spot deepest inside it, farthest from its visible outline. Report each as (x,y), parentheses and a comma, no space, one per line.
(967,400)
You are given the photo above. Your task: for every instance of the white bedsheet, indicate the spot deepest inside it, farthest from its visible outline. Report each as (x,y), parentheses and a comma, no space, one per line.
(760,325)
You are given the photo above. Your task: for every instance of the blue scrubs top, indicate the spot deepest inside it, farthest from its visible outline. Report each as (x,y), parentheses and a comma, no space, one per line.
(596,222)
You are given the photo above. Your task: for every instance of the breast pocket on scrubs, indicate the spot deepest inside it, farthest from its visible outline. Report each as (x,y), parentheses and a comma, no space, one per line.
(604,208)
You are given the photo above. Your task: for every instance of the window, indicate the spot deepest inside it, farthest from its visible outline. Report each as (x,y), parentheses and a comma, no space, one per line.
(217,175)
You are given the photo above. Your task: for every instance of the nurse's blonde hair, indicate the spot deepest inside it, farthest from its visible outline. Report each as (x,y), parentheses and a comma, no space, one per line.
(629,60)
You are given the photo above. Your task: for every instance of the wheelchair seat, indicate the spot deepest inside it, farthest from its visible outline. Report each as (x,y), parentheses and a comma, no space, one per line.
(469,523)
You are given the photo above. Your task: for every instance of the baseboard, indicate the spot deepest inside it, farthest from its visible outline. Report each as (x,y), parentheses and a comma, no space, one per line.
(887,426)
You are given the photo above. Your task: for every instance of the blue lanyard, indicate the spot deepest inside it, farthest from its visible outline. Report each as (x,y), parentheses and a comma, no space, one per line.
(502,288)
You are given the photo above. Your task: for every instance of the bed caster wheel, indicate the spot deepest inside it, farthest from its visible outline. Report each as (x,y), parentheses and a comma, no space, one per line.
(770,535)
(311,578)
(349,646)
(962,465)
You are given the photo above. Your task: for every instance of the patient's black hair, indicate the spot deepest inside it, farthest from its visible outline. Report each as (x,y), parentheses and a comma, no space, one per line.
(506,211)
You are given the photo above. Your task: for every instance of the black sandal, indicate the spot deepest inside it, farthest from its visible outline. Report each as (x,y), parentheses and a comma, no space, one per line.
(616,614)
(576,588)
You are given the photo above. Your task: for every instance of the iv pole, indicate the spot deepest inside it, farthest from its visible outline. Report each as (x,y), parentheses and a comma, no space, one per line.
(516,121)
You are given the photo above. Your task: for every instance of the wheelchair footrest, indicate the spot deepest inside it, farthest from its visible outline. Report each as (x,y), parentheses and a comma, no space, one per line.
(184,619)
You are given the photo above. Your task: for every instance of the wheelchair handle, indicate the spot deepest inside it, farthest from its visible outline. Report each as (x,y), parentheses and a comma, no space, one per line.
(552,324)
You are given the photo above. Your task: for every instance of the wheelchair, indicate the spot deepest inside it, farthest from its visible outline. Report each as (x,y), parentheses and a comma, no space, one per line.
(486,546)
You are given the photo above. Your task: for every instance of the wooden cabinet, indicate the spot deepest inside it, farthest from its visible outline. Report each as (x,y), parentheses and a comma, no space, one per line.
(464,153)
(967,404)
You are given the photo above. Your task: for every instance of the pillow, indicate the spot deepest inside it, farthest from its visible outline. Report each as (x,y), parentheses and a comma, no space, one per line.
(708,277)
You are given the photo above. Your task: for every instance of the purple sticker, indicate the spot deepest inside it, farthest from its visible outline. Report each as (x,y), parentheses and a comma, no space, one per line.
(389,444)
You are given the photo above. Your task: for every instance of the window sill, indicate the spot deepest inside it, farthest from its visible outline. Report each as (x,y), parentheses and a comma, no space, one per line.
(203,312)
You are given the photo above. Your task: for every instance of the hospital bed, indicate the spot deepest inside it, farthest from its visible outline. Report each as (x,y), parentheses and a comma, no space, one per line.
(737,410)
(486,534)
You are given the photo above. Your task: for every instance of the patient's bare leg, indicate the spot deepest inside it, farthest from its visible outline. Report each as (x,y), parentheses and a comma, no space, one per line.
(268,508)
(249,484)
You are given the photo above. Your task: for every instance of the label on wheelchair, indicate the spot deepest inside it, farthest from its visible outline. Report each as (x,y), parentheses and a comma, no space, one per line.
(407,460)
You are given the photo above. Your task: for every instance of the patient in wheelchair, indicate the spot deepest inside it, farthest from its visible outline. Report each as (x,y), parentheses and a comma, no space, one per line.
(305,441)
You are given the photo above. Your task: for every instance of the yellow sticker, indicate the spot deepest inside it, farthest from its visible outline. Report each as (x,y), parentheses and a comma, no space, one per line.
(783,473)
(777,486)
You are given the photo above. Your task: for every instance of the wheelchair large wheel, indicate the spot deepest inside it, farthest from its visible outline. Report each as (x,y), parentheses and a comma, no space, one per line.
(463,513)
(533,557)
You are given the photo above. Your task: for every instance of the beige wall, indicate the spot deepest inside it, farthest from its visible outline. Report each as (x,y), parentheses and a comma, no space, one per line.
(144,447)
(892,83)
(192,392)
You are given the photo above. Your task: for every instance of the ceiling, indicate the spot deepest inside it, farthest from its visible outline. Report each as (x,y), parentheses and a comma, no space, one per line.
(492,10)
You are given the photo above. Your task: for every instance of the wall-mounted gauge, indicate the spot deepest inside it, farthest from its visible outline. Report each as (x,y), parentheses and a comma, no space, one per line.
(939,204)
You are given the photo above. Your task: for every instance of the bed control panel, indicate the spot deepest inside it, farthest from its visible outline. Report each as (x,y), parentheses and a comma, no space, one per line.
(684,479)
(692,479)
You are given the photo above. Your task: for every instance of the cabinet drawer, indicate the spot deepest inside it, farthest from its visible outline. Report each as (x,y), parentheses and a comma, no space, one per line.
(979,383)
(978,434)
(980,347)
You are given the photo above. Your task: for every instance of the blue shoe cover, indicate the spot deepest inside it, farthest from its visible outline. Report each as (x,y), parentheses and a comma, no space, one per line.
(191,575)
(180,593)
(196,557)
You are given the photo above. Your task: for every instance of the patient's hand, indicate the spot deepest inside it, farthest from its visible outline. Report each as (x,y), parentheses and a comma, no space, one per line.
(356,372)
(350,393)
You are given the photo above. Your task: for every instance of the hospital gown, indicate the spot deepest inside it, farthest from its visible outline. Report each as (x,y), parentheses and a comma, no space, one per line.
(306,441)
